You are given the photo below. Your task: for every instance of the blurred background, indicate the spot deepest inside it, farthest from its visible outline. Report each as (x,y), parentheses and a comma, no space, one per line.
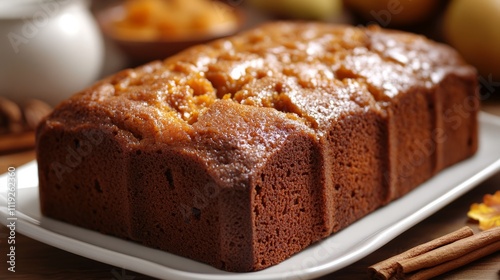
(469,26)
(51,49)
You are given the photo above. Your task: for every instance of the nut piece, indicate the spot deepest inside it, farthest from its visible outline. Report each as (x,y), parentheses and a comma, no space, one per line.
(34,111)
(11,118)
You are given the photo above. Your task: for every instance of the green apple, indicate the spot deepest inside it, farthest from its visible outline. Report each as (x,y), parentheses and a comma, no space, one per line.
(473,28)
(300,9)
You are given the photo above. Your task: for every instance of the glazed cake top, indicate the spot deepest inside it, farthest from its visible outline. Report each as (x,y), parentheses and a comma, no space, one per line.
(308,73)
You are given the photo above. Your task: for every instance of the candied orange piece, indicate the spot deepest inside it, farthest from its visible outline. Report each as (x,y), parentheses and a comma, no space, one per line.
(488,212)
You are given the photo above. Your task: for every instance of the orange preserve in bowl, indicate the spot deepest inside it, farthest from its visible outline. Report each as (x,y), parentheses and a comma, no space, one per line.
(173,19)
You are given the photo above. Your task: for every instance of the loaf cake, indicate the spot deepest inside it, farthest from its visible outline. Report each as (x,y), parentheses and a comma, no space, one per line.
(244,151)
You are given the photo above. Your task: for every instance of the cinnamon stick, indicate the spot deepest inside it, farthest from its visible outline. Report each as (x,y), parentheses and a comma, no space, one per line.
(451,251)
(386,269)
(453,264)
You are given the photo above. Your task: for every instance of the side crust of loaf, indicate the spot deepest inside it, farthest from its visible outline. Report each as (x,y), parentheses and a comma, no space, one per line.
(245,151)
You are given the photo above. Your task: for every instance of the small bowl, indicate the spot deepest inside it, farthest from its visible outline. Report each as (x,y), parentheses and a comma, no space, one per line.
(140,51)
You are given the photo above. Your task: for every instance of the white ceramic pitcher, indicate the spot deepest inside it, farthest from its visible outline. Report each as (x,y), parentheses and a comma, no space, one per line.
(49,49)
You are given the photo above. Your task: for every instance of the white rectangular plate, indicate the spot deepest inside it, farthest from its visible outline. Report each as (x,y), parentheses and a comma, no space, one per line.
(331,254)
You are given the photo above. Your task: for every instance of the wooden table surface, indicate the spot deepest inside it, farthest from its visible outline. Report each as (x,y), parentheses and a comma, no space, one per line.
(36,260)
